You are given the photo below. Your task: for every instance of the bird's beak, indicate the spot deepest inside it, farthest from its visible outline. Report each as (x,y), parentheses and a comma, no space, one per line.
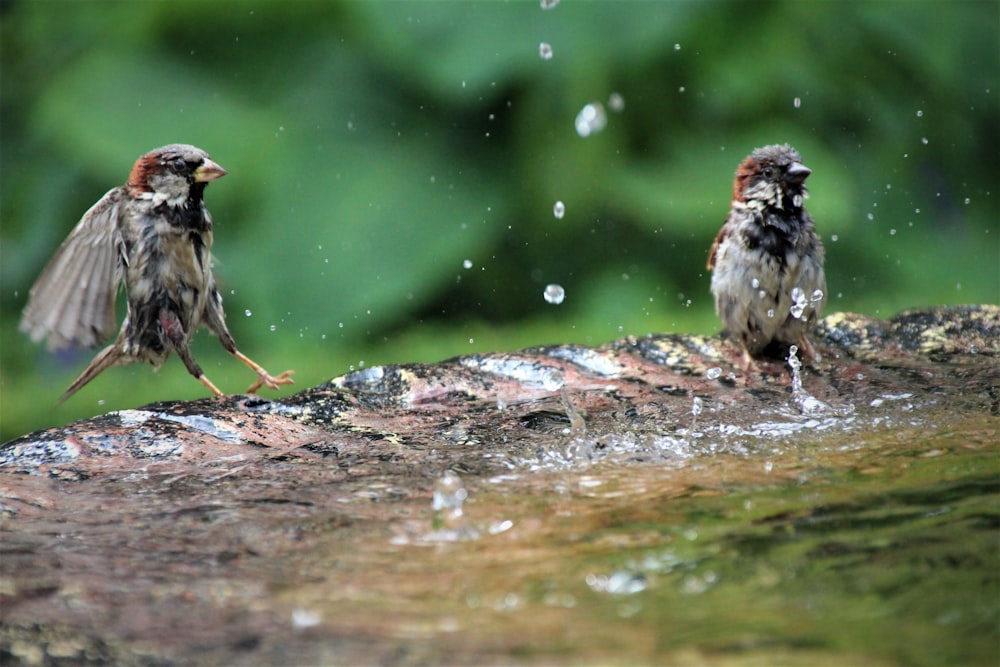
(796,171)
(208,171)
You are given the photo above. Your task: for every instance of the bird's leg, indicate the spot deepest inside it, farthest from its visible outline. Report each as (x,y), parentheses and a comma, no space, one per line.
(808,351)
(174,332)
(193,368)
(216,322)
(208,383)
(263,377)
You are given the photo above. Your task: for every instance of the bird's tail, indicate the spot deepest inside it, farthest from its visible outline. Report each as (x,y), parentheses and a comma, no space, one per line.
(107,358)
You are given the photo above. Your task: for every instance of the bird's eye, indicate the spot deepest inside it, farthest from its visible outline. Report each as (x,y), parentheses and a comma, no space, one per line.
(767,172)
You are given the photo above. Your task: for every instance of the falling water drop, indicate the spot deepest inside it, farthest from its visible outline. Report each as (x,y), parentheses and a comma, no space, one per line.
(616,102)
(591,119)
(554,294)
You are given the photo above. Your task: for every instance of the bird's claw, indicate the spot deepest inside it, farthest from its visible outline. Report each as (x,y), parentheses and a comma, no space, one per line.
(271,381)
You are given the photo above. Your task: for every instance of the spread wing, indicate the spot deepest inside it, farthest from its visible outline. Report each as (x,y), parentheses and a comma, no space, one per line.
(73,302)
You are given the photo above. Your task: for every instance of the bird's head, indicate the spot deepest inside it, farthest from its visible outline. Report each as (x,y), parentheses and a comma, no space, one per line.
(172,174)
(772,176)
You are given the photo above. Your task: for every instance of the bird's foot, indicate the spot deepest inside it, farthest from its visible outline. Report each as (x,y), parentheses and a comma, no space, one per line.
(271,381)
(263,377)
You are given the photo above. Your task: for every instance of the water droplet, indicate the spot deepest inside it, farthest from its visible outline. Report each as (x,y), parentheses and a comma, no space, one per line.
(799,303)
(968,201)
(681,89)
(920,113)
(248,312)
(274,328)
(677,47)
(696,406)
(713,373)
(755,283)
(591,119)
(467,264)
(545,51)
(549,4)
(559,210)
(892,232)
(817,295)
(834,238)
(554,294)
(923,140)
(616,102)
(797,102)
(871,216)
(770,313)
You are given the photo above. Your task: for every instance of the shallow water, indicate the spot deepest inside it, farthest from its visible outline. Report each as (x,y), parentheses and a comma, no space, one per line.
(864,548)
(879,550)
(870,541)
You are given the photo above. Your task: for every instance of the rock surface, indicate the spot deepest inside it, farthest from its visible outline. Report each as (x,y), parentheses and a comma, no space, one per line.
(123,533)
(633,385)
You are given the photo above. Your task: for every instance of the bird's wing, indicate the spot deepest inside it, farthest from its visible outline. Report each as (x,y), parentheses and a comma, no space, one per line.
(719,238)
(73,301)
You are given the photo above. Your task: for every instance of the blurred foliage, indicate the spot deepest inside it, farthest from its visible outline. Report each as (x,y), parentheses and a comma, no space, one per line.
(374,147)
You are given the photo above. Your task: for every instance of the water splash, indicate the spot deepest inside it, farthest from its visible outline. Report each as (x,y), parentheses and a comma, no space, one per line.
(620,582)
(577,425)
(799,303)
(696,406)
(806,402)
(449,523)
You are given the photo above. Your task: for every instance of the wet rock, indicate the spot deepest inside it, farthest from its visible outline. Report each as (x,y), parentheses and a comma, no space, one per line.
(242,530)
(400,412)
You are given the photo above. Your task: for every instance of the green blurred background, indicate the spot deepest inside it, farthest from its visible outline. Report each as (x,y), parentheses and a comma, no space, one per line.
(373,148)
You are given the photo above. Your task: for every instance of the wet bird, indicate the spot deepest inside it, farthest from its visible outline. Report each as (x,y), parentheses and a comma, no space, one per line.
(153,235)
(767,260)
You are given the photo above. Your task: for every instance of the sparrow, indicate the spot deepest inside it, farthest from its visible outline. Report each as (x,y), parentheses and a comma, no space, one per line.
(154,236)
(767,260)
